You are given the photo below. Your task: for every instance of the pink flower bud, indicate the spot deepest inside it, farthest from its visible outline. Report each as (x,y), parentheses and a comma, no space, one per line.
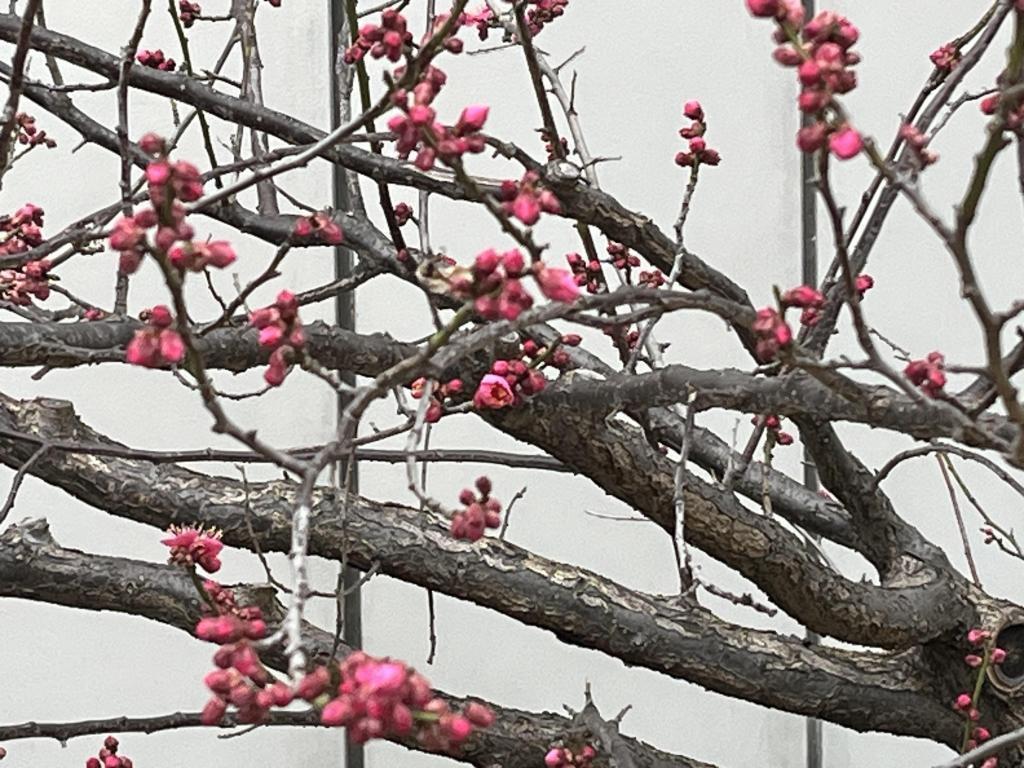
(845,143)
(472,119)
(557,284)
(152,144)
(213,711)
(976,636)
(809,73)
(486,261)
(513,262)
(998,656)
(763,8)
(972,660)
(693,110)
(158,173)
(172,349)
(479,714)
(337,712)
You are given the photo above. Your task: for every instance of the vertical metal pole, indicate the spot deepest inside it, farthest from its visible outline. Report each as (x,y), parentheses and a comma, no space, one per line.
(809,276)
(345,317)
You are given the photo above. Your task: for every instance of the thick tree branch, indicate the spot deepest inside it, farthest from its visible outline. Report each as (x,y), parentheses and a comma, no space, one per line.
(33,566)
(681,640)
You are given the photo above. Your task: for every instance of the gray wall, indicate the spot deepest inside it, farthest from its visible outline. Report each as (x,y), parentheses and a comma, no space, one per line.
(638,69)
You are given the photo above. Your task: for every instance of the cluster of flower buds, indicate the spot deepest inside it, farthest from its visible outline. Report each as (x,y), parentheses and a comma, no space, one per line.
(563,757)
(388,40)
(917,142)
(809,299)
(402,213)
(526,199)
(622,259)
(230,623)
(493,283)
(29,134)
(481,512)
(196,256)
(1014,116)
(281,332)
(108,757)
(772,332)
(169,181)
(156,60)
(824,65)
(21,230)
(543,12)
(586,272)
(194,545)
(982,654)
(625,341)
(510,380)
(699,152)
(170,184)
(550,144)
(188,12)
(928,373)
(417,130)
(438,394)
(773,424)
(18,286)
(653,278)
(319,227)
(375,697)
(451,42)
(157,344)
(240,679)
(945,57)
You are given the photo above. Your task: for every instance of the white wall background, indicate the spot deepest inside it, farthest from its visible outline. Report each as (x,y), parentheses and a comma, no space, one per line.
(639,66)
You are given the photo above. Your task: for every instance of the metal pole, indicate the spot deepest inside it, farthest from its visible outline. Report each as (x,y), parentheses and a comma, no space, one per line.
(809,276)
(345,317)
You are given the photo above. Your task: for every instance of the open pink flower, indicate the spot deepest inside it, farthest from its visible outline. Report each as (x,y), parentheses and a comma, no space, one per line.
(494,392)
(192,545)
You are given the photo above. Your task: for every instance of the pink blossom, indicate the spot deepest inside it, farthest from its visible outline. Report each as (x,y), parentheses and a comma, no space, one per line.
(192,545)
(493,392)
(928,374)
(557,284)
